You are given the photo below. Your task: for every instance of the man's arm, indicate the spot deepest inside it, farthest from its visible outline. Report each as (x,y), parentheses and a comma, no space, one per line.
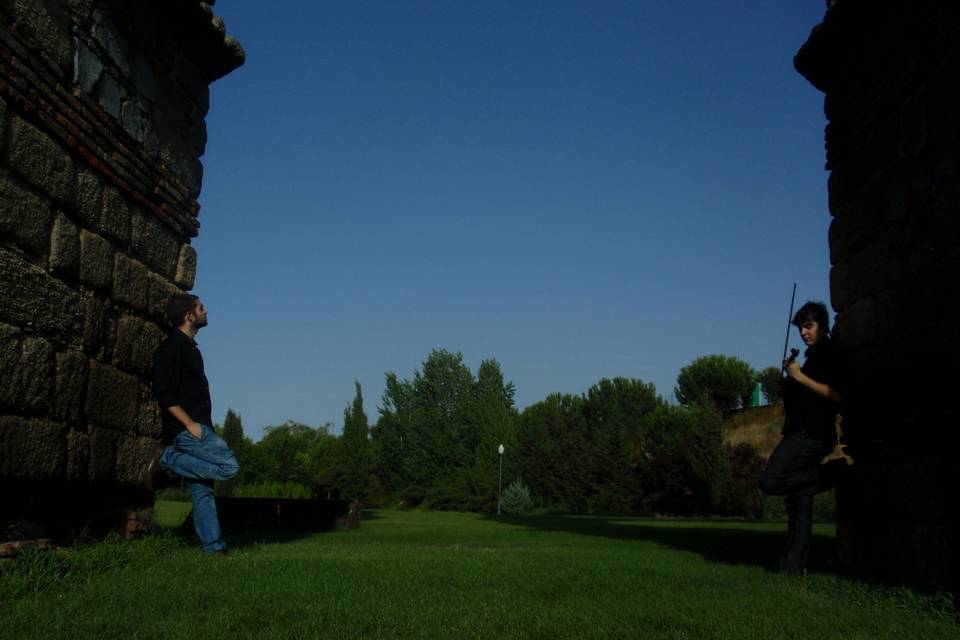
(189,423)
(819,388)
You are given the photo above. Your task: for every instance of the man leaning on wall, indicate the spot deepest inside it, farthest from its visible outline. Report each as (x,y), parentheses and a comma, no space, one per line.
(190,447)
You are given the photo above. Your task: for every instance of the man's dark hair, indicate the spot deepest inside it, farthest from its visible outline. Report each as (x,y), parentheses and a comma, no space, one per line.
(813,310)
(178,306)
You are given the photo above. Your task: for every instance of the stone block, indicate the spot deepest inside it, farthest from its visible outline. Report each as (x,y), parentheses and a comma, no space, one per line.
(96,260)
(133,454)
(78,455)
(46,24)
(110,39)
(3,127)
(65,247)
(32,448)
(143,78)
(153,243)
(40,160)
(112,397)
(149,422)
(109,94)
(131,282)
(160,291)
(26,363)
(27,385)
(69,384)
(88,198)
(186,267)
(88,68)
(133,120)
(102,456)
(857,325)
(137,339)
(115,217)
(94,323)
(24,217)
(35,299)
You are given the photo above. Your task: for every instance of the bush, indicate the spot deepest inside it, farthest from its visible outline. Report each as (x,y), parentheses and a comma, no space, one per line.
(771,383)
(516,498)
(724,381)
(272,490)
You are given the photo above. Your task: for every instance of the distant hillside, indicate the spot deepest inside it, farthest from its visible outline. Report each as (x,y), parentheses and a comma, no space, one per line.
(760,427)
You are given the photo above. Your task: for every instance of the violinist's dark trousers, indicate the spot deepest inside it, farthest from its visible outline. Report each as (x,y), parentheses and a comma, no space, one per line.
(794,471)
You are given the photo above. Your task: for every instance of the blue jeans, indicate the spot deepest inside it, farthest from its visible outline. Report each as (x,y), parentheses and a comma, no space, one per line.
(202,462)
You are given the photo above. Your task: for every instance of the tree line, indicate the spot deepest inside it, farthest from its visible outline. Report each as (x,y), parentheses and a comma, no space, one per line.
(618,447)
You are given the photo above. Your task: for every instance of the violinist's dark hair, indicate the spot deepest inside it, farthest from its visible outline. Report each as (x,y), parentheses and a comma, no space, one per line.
(178,306)
(813,310)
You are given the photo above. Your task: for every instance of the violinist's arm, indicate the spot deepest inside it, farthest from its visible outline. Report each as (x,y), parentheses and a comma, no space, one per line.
(819,388)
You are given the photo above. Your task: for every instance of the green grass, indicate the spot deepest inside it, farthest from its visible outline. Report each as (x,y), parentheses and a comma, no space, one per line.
(451,575)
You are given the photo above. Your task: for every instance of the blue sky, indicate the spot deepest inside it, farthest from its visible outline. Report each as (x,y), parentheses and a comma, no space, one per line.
(577,189)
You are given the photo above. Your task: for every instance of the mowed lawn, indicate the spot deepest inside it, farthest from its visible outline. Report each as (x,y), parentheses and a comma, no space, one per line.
(454,575)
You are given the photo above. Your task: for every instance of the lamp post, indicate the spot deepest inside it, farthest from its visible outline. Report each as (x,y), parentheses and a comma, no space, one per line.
(500,483)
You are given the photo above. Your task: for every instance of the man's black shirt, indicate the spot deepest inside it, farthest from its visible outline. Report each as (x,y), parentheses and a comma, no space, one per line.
(178,379)
(807,411)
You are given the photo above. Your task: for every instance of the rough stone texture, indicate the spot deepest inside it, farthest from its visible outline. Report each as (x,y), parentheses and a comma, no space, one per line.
(136,341)
(44,22)
(889,73)
(65,247)
(186,267)
(36,300)
(132,455)
(131,284)
(69,384)
(78,455)
(115,217)
(96,261)
(40,160)
(25,362)
(101,125)
(153,243)
(27,369)
(24,217)
(148,422)
(160,292)
(32,448)
(94,324)
(88,198)
(102,457)
(3,127)
(112,397)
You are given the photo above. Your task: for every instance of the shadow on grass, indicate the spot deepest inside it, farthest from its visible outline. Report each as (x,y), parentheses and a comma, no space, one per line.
(716,541)
(239,536)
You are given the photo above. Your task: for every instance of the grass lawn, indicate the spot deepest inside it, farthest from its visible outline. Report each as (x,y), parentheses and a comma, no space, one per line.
(451,575)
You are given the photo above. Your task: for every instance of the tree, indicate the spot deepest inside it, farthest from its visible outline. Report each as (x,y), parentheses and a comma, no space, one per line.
(617,412)
(233,436)
(771,383)
(723,381)
(354,473)
(436,438)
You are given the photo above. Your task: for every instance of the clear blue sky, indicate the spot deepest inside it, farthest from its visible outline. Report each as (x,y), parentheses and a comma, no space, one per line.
(577,189)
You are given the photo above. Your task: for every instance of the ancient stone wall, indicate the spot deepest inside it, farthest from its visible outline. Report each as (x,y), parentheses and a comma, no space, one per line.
(890,74)
(102,106)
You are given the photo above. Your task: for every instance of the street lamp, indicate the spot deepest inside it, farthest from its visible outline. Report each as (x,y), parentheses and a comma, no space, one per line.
(500,484)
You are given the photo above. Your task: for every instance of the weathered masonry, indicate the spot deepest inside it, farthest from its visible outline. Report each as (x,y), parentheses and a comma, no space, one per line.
(891,75)
(102,106)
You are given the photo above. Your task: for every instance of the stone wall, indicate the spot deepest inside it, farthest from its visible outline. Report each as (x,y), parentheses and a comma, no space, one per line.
(102,106)
(890,74)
